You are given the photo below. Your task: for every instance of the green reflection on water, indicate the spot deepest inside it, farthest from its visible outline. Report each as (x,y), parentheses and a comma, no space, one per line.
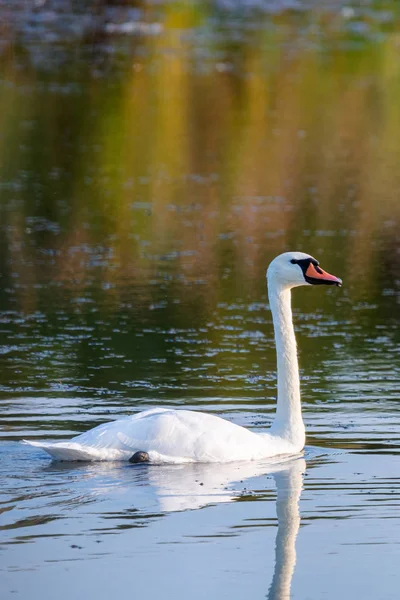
(147,180)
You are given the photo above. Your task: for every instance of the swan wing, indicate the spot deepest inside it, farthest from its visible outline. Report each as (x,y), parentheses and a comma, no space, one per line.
(100,443)
(190,436)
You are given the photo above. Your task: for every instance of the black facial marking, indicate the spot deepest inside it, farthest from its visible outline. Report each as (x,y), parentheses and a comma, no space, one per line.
(304,263)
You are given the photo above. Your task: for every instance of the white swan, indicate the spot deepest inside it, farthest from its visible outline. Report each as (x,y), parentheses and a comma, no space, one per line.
(182,436)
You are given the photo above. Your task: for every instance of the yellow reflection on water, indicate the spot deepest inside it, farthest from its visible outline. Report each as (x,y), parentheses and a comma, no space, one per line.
(204,150)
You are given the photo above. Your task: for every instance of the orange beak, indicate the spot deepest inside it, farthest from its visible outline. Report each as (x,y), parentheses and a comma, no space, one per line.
(316,275)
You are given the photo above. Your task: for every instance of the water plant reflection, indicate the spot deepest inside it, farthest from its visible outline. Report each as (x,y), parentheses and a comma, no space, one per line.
(175,170)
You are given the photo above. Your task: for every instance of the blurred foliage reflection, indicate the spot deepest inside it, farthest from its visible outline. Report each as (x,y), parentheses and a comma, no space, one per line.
(152,165)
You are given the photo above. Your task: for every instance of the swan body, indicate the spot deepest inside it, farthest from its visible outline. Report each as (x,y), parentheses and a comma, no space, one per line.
(170,436)
(184,436)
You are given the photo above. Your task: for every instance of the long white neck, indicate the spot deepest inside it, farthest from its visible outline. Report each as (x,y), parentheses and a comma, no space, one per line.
(288,421)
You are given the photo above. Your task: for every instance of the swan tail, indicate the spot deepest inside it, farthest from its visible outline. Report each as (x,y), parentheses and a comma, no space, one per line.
(69,451)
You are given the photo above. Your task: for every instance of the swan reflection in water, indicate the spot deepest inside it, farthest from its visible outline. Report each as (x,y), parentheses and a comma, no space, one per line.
(289,484)
(177,489)
(173,488)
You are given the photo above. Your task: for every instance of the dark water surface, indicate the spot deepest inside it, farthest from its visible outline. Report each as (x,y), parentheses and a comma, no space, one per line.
(153,159)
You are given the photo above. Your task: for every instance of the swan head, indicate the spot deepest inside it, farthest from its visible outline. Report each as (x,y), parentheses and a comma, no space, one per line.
(293,269)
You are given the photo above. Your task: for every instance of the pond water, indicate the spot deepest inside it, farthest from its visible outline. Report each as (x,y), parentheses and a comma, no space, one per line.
(153,159)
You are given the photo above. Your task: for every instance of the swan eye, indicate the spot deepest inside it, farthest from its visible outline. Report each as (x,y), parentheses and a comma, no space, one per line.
(293,261)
